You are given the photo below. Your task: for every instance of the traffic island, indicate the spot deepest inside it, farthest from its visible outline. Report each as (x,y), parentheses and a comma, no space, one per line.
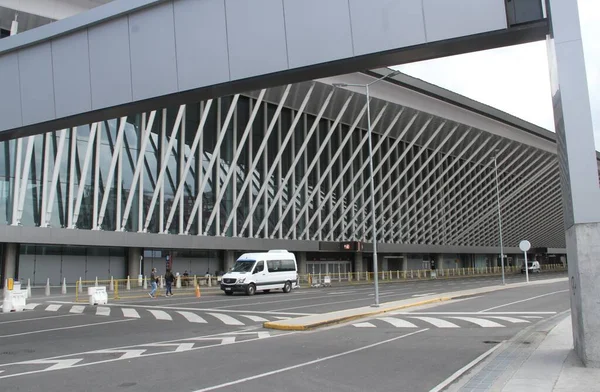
(306,323)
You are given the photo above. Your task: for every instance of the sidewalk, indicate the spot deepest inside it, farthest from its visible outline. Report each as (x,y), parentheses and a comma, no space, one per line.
(537,361)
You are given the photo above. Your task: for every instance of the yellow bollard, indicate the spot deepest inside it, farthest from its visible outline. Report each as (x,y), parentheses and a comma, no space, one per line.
(11,284)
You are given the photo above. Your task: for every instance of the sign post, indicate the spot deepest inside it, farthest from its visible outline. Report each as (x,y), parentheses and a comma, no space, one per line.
(525,246)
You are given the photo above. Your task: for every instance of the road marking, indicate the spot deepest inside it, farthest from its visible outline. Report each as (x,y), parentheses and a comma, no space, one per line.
(202,309)
(228,320)
(31,306)
(398,323)
(479,321)
(127,354)
(57,363)
(257,319)
(61,328)
(37,318)
(437,322)
(160,314)
(129,312)
(282,317)
(300,365)
(523,300)
(464,369)
(102,311)
(77,309)
(364,325)
(513,320)
(181,347)
(192,317)
(467,313)
(53,308)
(423,295)
(532,317)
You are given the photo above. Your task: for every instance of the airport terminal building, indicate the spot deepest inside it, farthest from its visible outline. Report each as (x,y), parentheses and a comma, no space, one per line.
(285,167)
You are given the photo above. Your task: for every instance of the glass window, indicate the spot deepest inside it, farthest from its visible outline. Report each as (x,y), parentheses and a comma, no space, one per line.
(281,265)
(260,266)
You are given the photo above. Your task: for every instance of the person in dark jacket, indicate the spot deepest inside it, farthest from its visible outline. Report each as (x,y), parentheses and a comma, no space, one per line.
(169,279)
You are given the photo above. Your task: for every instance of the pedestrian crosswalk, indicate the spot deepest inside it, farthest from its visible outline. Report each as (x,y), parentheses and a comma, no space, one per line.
(195,317)
(478,320)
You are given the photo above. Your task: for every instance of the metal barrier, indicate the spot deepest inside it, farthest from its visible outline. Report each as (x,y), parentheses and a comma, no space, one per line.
(316,280)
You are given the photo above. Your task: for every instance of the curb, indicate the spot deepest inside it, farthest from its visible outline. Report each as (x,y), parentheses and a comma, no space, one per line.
(284,326)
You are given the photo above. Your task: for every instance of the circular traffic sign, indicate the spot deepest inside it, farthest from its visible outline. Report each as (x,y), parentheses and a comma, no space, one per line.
(524,245)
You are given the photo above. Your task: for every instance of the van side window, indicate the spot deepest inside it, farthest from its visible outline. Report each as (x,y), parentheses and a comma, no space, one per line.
(260,266)
(281,265)
(274,265)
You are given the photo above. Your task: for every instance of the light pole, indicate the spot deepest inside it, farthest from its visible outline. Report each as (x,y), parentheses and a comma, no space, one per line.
(499,216)
(372,182)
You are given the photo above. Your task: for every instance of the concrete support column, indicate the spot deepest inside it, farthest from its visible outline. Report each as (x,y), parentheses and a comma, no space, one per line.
(11,255)
(228,260)
(404,262)
(579,174)
(301,260)
(133,262)
(439,261)
(358,262)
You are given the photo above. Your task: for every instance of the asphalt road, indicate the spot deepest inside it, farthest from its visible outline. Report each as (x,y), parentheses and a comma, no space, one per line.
(217,342)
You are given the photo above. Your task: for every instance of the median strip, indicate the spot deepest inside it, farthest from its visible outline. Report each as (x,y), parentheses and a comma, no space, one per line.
(306,323)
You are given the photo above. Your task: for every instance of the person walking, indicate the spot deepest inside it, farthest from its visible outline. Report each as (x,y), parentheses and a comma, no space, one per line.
(154,283)
(169,279)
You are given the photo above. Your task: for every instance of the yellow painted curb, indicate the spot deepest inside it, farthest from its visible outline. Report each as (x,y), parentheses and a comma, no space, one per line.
(280,325)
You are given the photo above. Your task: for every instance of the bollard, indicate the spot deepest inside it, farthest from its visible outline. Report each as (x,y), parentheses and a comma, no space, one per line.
(145,285)
(197,289)
(48,287)
(112,284)
(64,286)
(96,283)
(80,289)
(128,283)
(178,285)
(5,287)
(162,282)
(209,280)
(358,276)
(28,288)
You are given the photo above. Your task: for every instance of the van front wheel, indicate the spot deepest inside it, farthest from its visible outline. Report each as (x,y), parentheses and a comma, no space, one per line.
(287,287)
(251,289)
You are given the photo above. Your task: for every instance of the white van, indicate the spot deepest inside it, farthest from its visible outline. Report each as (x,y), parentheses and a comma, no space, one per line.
(275,269)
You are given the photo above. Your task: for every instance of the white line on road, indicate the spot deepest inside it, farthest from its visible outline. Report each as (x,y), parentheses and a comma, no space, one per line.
(160,315)
(364,325)
(262,375)
(398,322)
(61,328)
(37,318)
(31,306)
(532,317)
(437,322)
(77,309)
(257,319)
(102,311)
(523,300)
(479,321)
(53,308)
(422,295)
(464,369)
(467,313)
(509,319)
(192,317)
(129,312)
(226,319)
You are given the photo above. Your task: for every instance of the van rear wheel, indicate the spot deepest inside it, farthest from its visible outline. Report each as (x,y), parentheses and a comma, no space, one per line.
(251,289)
(287,287)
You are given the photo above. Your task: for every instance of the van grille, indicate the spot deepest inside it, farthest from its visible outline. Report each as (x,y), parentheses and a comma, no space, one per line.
(229,280)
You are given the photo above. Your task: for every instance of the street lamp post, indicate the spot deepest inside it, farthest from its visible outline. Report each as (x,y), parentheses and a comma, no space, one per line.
(499,217)
(372,180)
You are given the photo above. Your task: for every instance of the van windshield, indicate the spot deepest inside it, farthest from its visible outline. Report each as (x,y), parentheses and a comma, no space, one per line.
(243,266)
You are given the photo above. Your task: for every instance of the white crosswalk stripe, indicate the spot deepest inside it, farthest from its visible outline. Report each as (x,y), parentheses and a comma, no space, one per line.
(282,318)
(364,325)
(513,320)
(53,308)
(77,309)
(31,306)
(228,320)
(479,321)
(192,317)
(532,317)
(255,318)
(160,314)
(102,311)
(437,322)
(131,313)
(398,323)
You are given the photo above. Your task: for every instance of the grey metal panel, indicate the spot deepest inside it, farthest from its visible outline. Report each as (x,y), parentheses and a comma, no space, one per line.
(152,48)
(450,19)
(317,31)
(73,267)
(10,109)
(117,267)
(27,268)
(379,25)
(256,36)
(71,67)
(97,266)
(201,43)
(48,266)
(110,66)
(37,84)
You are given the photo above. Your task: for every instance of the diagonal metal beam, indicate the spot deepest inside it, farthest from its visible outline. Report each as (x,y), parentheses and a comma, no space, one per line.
(84,170)
(47,215)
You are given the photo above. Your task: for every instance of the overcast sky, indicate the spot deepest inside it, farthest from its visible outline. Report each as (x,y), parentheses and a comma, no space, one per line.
(516,79)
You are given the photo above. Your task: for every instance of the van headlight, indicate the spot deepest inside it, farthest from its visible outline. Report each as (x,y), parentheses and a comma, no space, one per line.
(241,280)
